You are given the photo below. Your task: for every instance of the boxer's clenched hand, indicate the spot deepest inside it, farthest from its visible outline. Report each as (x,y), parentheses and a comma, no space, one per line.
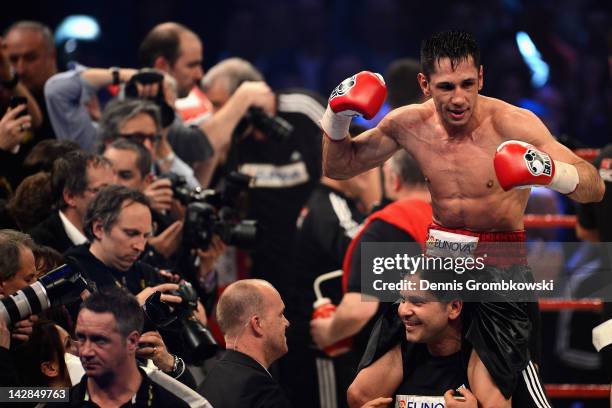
(519,164)
(361,94)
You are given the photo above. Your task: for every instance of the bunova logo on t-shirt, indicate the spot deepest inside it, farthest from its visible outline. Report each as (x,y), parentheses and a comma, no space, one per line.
(419,401)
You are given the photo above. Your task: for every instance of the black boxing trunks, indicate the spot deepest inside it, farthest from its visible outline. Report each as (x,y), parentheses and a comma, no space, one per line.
(503,332)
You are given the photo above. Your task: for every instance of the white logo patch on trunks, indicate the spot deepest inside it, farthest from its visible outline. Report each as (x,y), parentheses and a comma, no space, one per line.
(343,88)
(446,244)
(538,163)
(418,401)
(271,176)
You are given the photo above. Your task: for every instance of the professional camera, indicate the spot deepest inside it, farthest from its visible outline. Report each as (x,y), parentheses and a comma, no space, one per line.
(212,212)
(181,190)
(198,339)
(148,76)
(273,126)
(61,286)
(217,213)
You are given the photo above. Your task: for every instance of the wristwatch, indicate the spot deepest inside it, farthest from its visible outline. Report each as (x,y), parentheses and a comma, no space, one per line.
(115,75)
(178,368)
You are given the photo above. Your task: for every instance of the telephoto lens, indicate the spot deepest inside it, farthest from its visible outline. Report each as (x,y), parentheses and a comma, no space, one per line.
(61,286)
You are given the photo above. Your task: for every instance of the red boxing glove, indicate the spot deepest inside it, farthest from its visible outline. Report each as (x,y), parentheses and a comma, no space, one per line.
(519,164)
(361,94)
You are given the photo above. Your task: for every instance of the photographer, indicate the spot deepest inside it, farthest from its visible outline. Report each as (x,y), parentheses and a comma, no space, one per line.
(280,147)
(17,271)
(178,148)
(118,225)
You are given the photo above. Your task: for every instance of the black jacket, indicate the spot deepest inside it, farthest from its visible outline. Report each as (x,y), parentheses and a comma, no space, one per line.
(237,381)
(51,233)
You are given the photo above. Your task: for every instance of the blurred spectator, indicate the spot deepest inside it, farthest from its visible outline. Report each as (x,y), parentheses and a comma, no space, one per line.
(41,358)
(285,166)
(75,180)
(402,85)
(32,201)
(30,49)
(27,60)
(67,93)
(43,154)
(47,259)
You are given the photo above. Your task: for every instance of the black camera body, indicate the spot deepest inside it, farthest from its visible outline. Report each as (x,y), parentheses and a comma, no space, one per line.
(212,213)
(148,76)
(273,126)
(198,339)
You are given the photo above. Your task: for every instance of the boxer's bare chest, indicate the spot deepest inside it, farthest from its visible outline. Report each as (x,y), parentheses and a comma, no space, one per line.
(456,165)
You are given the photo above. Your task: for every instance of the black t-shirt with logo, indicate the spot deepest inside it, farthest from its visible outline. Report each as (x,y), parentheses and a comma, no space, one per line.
(428,377)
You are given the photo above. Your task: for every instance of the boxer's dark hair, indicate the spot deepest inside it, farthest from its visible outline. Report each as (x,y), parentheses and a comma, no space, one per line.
(456,45)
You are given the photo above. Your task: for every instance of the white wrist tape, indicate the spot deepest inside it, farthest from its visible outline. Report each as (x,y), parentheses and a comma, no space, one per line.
(602,335)
(565,179)
(335,126)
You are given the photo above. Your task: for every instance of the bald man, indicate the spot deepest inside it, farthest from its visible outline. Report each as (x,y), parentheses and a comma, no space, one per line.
(250,313)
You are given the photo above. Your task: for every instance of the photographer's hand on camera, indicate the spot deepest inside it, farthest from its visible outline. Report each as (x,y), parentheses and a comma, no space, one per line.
(23,328)
(209,257)
(5,335)
(200,314)
(220,126)
(169,240)
(163,288)
(152,346)
(13,128)
(160,194)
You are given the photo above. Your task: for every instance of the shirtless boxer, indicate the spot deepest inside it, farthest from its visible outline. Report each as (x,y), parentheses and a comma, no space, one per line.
(471,149)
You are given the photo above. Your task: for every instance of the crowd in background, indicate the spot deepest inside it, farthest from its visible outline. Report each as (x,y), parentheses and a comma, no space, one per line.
(84,134)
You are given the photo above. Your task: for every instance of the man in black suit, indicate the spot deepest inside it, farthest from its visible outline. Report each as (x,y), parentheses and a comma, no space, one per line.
(76,179)
(251,315)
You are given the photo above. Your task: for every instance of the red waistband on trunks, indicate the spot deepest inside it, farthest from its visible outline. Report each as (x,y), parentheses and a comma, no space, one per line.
(502,248)
(493,236)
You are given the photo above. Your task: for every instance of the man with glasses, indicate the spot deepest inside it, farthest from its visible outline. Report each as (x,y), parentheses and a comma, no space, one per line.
(175,147)
(139,121)
(76,179)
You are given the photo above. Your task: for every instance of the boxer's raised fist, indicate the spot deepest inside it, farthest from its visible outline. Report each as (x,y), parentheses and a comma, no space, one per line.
(361,94)
(519,164)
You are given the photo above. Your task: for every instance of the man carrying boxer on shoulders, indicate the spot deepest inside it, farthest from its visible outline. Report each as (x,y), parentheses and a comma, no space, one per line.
(473,150)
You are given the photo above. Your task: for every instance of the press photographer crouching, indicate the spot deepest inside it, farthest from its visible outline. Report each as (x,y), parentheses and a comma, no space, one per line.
(118,224)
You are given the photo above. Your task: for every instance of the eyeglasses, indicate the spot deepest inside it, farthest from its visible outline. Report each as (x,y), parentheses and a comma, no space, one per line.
(140,137)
